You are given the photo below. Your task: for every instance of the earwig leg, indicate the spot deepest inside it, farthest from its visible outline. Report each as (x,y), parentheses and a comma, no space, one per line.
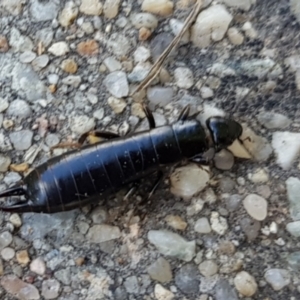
(200,160)
(149,116)
(184,114)
(159,178)
(66,145)
(13,191)
(97,133)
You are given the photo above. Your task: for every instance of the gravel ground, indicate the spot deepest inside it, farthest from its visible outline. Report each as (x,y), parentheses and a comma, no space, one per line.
(231,233)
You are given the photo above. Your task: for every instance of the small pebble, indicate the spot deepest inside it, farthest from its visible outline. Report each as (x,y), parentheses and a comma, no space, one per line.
(159,7)
(38,266)
(245,284)
(4,163)
(111,8)
(184,77)
(69,66)
(144,20)
(162,293)
(202,226)
(59,49)
(117,84)
(256,206)
(187,279)
(208,268)
(22,139)
(50,289)
(160,270)
(176,222)
(218,223)
(278,278)
(102,233)
(112,64)
(188,180)
(15,220)
(68,14)
(8,253)
(172,244)
(23,257)
(117,105)
(235,36)
(88,48)
(3,44)
(91,7)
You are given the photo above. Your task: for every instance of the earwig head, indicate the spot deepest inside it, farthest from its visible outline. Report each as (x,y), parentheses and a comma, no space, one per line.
(223,131)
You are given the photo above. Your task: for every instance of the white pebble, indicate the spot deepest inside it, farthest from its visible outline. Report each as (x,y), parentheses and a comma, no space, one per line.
(256,206)
(184,77)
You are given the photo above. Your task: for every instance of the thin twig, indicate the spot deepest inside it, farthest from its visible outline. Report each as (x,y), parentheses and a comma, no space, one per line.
(158,64)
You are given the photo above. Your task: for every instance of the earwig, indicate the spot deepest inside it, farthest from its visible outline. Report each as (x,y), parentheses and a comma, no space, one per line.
(83,176)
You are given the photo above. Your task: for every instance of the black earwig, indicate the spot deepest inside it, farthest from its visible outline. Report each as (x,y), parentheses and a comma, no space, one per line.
(80,177)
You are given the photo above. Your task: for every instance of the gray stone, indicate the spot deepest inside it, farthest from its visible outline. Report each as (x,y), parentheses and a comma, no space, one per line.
(19,42)
(27,57)
(99,215)
(226,184)
(278,278)
(131,285)
(224,291)
(211,25)
(27,83)
(224,160)
(3,104)
(287,147)
(40,62)
(260,67)
(159,43)
(116,83)
(52,139)
(5,239)
(293,188)
(160,270)
(172,244)
(202,226)
(22,139)
(208,268)
(187,279)
(273,120)
(250,227)
(4,163)
(160,96)
(63,276)
(19,108)
(45,35)
(11,178)
(294,260)
(294,228)
(19,288)
(62,223)
(233,202)
(112,64)
(295,8)
(256,206)
(14,7)
(139,72)
(144,20)
(50,289)
(119,44)
(43,10)
(73,80)
(82,124)
(103,233)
